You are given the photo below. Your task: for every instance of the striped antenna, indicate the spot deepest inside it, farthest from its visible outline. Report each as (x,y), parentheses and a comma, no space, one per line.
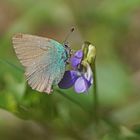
(68,35)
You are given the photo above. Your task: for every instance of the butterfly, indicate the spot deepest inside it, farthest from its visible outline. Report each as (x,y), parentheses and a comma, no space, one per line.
(44,60)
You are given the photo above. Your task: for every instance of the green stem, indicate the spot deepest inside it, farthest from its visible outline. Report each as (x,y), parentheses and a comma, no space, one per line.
(11,65)
(95,96)
(72,100)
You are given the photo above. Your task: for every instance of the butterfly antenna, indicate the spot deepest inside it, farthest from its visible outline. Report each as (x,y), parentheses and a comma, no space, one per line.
(68,35)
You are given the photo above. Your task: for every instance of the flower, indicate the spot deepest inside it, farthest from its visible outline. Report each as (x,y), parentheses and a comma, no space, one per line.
(76,59)
(81,76)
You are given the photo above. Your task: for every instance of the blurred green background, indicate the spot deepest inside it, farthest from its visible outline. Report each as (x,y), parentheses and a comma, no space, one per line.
(114,28)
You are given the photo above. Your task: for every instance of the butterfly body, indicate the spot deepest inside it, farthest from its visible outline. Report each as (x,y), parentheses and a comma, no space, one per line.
(44,60)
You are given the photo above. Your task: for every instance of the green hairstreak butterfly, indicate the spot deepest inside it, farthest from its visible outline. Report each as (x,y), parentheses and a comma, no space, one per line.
(44,60)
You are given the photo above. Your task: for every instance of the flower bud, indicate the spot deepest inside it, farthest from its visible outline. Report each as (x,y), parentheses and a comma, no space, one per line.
(89,52)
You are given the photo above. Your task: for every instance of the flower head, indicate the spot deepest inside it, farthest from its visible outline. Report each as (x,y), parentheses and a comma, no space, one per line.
(76,59)
(81,76)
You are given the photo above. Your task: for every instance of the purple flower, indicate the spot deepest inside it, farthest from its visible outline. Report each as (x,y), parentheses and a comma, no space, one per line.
(80,77)
(76,59)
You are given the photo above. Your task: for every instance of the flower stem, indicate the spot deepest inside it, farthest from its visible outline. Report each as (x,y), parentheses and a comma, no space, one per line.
(95,95)
(72,100)
(11,65)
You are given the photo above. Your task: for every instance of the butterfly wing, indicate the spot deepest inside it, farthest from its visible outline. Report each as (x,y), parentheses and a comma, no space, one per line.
(43,59)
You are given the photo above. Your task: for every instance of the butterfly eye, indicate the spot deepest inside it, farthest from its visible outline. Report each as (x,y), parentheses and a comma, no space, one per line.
(66,46)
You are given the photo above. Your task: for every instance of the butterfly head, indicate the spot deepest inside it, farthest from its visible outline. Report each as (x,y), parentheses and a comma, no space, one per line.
(68,50)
